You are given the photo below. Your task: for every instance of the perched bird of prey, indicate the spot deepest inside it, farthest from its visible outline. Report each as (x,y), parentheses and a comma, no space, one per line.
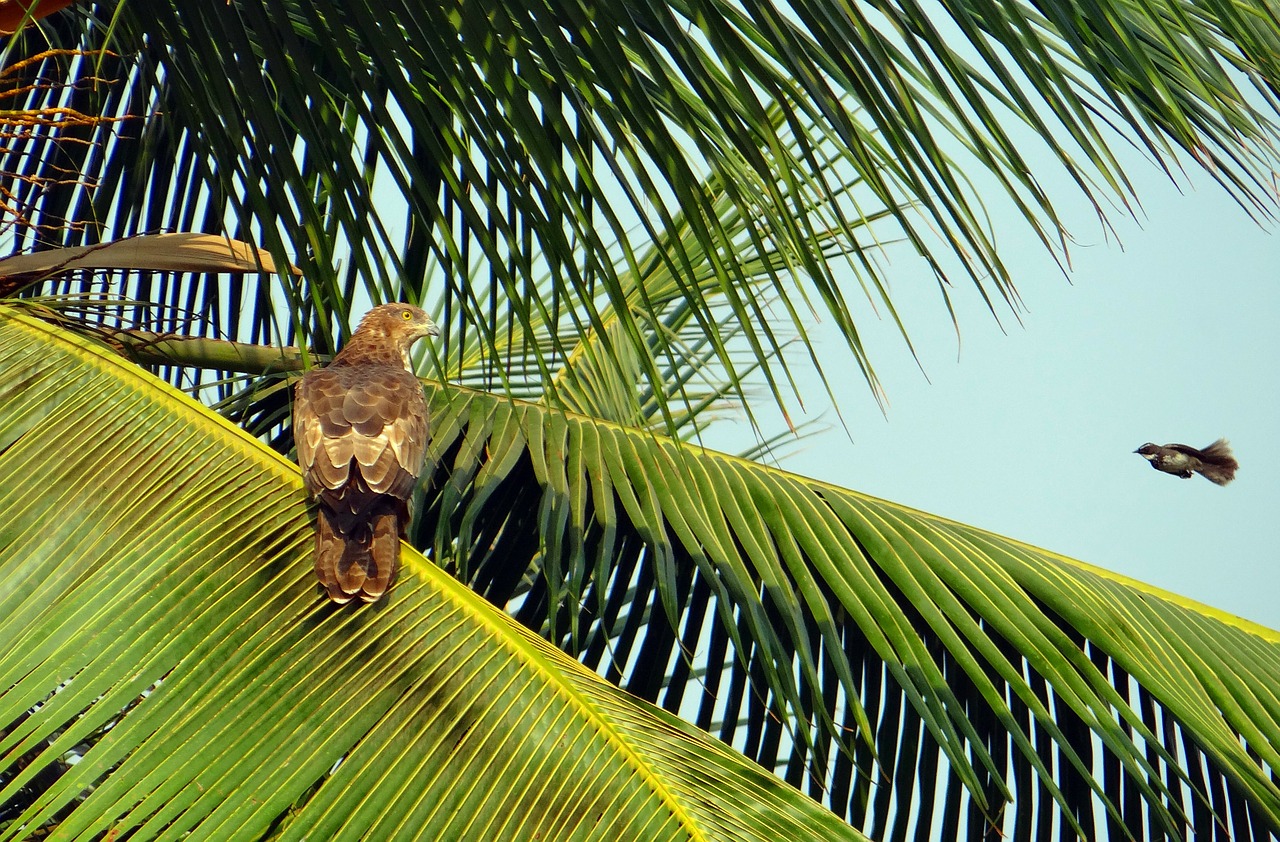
(360,426)
(1215,462)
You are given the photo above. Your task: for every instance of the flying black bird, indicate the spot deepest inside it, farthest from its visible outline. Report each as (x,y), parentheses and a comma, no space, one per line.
(1215,462)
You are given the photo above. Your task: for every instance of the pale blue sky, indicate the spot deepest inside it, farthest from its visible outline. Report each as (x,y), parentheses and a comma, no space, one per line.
(1173,337)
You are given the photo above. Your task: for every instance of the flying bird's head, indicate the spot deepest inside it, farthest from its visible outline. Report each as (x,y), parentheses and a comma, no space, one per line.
(1148,451)
(388,328)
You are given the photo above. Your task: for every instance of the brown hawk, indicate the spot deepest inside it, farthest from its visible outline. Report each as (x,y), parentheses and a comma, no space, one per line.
(360,427)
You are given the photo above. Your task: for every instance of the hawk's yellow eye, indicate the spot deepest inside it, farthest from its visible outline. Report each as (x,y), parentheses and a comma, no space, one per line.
(407,315)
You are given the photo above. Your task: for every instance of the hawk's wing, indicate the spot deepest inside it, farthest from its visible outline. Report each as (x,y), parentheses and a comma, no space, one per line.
(375,414)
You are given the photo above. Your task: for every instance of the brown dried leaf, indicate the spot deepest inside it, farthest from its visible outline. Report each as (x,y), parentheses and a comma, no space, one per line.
(159,252)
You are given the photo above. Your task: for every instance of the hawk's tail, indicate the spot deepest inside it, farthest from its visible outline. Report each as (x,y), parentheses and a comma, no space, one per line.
(1218,465)
(357,556)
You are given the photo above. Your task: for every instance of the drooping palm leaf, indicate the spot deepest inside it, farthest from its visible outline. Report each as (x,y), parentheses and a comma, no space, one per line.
(1013,667)
(160,616)
(407,144)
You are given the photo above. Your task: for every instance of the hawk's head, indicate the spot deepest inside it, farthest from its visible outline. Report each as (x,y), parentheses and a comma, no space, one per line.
(389,329)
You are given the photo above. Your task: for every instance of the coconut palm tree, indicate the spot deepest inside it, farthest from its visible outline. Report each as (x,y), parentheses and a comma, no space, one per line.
(622,215)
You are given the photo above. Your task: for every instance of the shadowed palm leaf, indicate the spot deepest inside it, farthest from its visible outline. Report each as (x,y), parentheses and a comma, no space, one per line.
(392,148)
(161,617)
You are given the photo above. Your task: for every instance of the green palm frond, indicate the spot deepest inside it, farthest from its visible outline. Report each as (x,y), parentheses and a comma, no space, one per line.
(1014,666)
(163,628)
(860,647)
(393,148)
(597,195)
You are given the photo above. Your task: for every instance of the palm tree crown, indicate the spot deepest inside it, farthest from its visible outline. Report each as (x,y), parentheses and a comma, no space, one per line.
(621,215)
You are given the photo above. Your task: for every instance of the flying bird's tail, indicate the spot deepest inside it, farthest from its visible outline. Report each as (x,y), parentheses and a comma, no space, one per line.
(358,555)
(1217,463)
